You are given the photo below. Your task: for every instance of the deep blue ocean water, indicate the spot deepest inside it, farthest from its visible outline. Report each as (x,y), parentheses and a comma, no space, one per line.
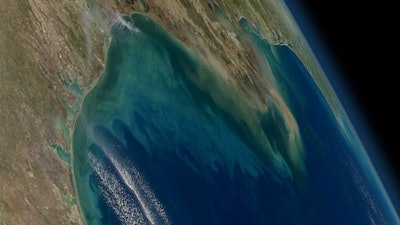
(152,144)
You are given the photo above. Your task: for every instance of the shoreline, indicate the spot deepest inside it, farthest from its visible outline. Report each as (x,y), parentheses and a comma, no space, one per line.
(73,122)
(83,97)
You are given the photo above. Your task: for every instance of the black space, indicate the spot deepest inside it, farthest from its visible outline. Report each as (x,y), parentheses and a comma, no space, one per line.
(359,39)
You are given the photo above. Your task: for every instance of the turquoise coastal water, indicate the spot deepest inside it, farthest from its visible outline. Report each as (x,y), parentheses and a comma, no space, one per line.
(164,139)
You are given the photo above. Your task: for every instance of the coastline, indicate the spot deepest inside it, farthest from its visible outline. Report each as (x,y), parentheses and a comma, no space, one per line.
(72,125)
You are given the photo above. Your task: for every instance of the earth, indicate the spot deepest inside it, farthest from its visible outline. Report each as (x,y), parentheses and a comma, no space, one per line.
(174,112)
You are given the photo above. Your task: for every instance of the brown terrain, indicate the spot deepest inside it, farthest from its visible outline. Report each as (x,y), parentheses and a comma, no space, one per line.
(48,46)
